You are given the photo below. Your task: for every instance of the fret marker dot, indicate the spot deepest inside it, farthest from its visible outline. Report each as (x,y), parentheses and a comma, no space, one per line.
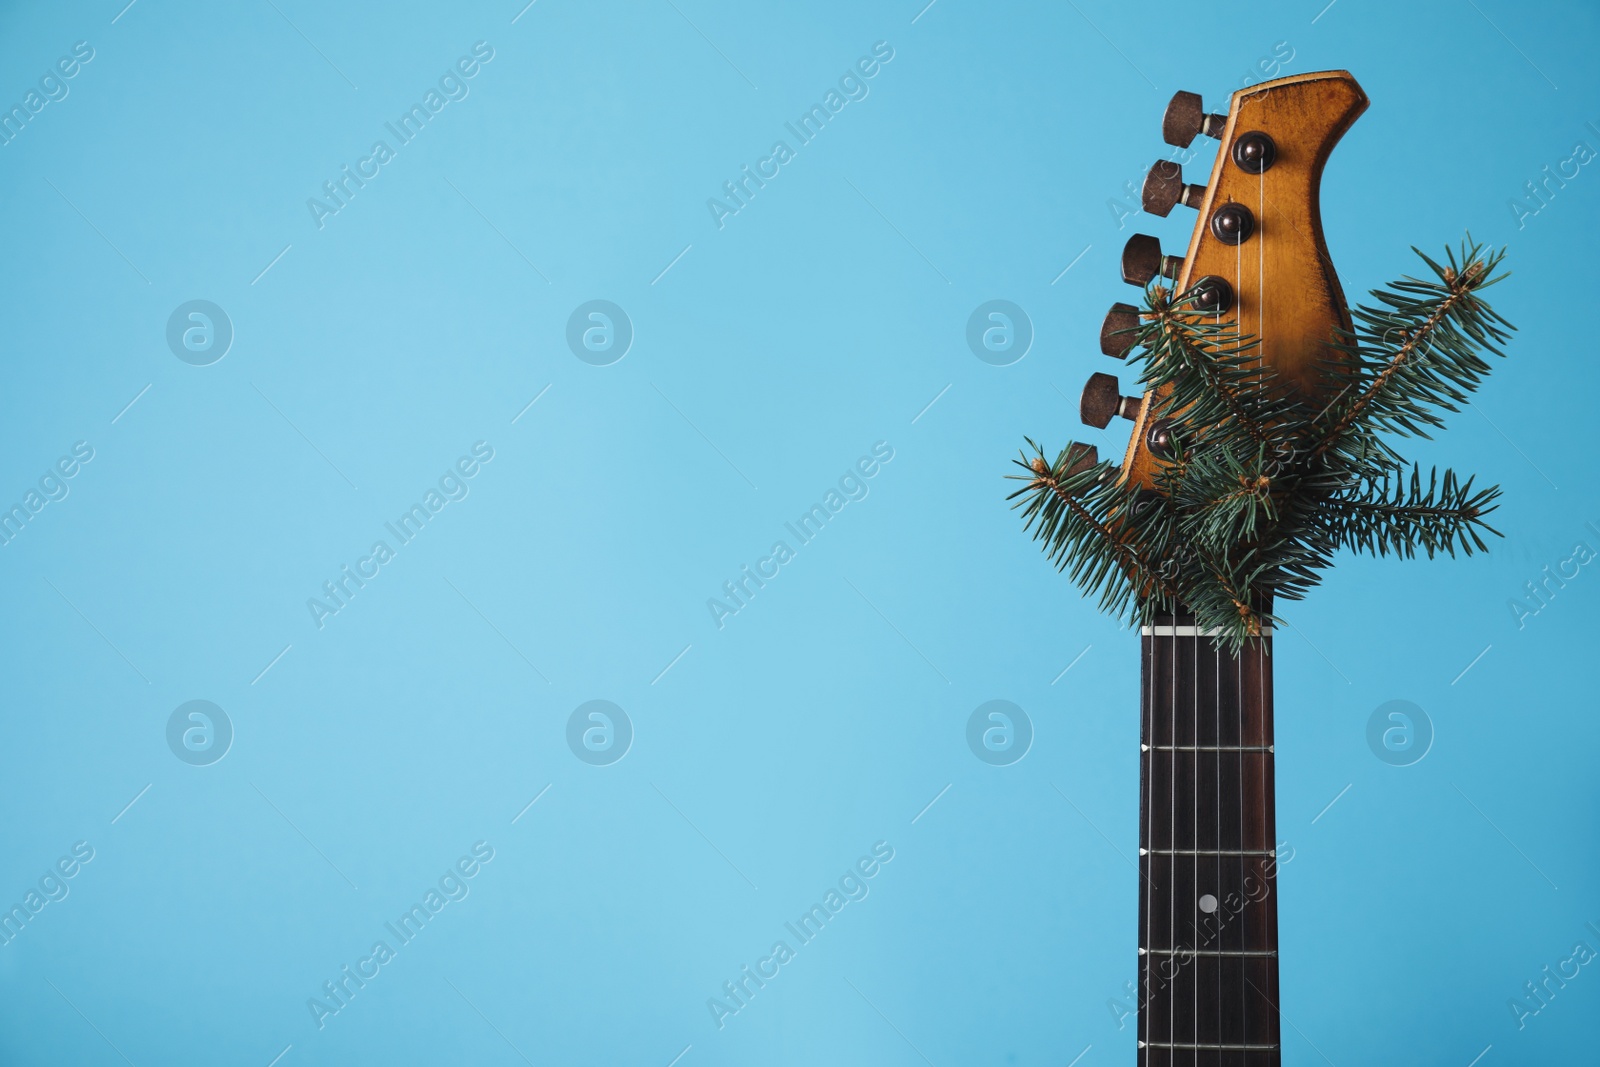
(1208,903)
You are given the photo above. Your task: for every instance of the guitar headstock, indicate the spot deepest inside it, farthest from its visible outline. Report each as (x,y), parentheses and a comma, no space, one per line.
(1256,259)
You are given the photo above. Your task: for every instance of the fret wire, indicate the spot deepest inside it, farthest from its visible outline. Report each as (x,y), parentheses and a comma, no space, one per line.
(1208,852)
(1189,631)
(1208,1048)
(1242,953)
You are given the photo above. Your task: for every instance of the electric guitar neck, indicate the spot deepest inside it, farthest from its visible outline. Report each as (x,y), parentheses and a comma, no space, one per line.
(1255,263)
(1208,924)
(1259,448)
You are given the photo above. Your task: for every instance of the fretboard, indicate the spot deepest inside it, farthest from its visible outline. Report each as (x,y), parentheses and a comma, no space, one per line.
(1208,917)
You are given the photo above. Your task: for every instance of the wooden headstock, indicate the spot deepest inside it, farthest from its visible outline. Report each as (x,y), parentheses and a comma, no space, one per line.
(1257,243)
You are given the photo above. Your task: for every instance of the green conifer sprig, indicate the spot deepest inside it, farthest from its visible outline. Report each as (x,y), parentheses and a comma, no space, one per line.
(1262,491)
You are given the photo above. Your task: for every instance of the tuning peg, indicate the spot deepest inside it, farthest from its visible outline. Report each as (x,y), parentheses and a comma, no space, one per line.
(1080,458)
(1164,187)
(1102,398)
(1212,295)
(1160,439)
(1142,260)
(1254,152)
(1114,340)
(1185,117)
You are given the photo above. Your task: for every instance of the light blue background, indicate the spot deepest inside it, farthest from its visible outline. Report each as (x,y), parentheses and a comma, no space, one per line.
(825,716)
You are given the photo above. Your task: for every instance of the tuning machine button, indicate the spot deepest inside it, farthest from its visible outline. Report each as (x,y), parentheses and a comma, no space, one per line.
(1145,501)
(1103,399)
(1160,439)
(1254,152)
(1115,340)
(1185,117)
(1233,223)
(1212,295)
(1142,261)
(1164,186)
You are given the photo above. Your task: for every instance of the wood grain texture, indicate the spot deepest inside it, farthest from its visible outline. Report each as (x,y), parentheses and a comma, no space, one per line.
(1287,293)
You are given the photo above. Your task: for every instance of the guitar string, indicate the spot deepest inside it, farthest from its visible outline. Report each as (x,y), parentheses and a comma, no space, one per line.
(1215,869)
(1266,899)
(1269,917)
(1178,669)
(1266,758)
(1216,778)
(1214,844)
(1238,772)
(1150,702)
(1173,789)
(1259,728)
(1260,302)
(1159,655)
(1149,709)
(1172,832)
(1194,882)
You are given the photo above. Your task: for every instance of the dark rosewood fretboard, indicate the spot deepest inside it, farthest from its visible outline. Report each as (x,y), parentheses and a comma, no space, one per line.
(1208,916)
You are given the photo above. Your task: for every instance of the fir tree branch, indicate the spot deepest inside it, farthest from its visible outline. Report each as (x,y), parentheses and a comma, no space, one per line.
(1249,623)
(1421,353)
(1175,340)
(1388,515)
(1260,493)
(1064,488)
(1220,494)
(1381,380)
(1250,494)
